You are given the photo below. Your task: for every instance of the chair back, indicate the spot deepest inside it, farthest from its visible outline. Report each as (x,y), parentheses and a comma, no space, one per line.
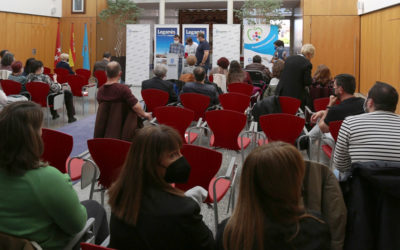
(154,98)
(234,101)
(46,70)
(240,87)
(84,72)
(176,117)
(76,82)
(320,103)
(226,126)
(62,78)
(101,77)
(196,102)
(61,71)
(334,128)
(109,155)
(204,163)
(289,105)
(57,148)
(282,127)
(11,87)
(89,246)
(257,77)
(38,92)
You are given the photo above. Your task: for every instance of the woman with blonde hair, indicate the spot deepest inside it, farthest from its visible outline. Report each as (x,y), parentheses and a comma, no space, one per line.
(268,214)
(147,212)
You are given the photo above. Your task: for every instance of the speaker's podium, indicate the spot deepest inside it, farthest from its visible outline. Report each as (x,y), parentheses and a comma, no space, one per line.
(172,65)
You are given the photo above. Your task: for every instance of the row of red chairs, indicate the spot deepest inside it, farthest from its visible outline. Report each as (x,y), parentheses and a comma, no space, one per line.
(62,74)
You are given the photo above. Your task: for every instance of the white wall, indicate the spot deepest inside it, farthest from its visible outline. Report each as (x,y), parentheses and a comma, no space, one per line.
(365,6)
(51,8)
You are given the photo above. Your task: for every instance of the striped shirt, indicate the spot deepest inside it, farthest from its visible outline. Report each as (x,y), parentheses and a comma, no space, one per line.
(368,137)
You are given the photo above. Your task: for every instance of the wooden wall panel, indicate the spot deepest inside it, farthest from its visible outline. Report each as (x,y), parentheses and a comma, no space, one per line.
(330,7)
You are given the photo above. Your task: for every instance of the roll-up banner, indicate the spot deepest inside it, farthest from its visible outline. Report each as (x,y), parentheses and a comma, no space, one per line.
(163,37)
(259,40)
(191,30)
(137,53)
(226,42)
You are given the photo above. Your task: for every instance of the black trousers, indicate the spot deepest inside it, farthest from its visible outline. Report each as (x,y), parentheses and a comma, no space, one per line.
(97,211)
(68,100)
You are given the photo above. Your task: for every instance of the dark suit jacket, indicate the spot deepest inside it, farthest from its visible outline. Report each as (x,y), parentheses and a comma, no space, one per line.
(296,75)
(158,83)
(66,66)
(165,221)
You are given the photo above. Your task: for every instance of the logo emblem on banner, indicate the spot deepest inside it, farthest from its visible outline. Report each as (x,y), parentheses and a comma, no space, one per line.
(254,34)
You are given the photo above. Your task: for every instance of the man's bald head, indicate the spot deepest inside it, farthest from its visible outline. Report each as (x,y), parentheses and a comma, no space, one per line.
(113,69)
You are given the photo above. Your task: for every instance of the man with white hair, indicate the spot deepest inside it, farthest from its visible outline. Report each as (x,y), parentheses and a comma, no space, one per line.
(64,63)
(296,74)
(158,82)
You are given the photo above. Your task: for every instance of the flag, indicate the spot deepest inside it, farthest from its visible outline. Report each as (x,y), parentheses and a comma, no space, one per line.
(72,47)
(58,47)
(85,50)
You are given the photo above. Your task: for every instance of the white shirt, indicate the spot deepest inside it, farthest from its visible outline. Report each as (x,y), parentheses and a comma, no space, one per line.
(191,49)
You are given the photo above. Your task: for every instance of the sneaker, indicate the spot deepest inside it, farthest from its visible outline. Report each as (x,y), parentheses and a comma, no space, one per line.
(55,115)
(70,120)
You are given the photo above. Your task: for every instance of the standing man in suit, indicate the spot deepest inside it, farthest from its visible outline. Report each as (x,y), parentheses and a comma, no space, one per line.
(296,75)
(157,82)
(102,65)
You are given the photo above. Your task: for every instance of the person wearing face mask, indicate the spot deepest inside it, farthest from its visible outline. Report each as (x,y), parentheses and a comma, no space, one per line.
(177,48)
(344,86)
(147,212)
(158,82)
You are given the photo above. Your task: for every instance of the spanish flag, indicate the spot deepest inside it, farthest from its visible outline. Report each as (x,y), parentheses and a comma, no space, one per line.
(72,47)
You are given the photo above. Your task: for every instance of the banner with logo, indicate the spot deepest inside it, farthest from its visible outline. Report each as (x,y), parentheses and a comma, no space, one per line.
(259,40)
(191,30)
(138,44)
(226,42)
(163,37)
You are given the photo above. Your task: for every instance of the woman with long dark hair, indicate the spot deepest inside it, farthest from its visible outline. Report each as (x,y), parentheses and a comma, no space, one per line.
(268,214)
(147,212)
(237,74)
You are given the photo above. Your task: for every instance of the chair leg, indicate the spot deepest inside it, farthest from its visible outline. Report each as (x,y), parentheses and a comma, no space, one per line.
(83,106)
(91,191)
(242,153)
(216,215)
(102,197)
(48,117)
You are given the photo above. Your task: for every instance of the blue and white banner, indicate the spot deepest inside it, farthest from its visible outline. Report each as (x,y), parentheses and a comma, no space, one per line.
(163,37)
(226,42)
(259,40)
(191,30)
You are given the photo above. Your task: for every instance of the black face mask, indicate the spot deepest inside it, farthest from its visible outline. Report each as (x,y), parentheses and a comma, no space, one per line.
(178,171)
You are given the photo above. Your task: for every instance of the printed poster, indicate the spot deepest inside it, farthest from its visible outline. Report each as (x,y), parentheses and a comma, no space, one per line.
(226,42)
(163,37)
(191,30)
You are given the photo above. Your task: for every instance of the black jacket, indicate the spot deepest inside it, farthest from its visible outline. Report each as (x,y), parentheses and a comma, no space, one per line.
(65,65)
(296,75)
(373,206)
(165,221)
(158,83)
(268,105)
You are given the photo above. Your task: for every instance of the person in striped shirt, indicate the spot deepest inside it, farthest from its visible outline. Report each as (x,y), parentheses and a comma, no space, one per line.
(372,136)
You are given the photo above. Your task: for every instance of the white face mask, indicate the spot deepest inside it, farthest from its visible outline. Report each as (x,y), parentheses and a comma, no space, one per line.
(175,41)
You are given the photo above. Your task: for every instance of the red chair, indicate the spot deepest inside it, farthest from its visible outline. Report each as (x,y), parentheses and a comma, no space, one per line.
(178,118)
(289,105)
(334,128)
(101,77)
(242,88)
(205,164)
(62,78)
(154,98)
(57,148)
(11,87)
(196,102)
(61,71)
(80,88)
(83,72)
(89,246)
(281,127)
(227,126)
(46,70)
(109,156)
(234,101)
(320,103)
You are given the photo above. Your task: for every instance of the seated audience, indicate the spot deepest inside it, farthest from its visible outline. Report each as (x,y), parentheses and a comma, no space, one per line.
(322,84)
(200,87)
(277,69)
(38,76)
(64,63)
(268,213)
(257,65)
(344,86)
(117,116)
(223,64)
(158,82)
(191,61)
(147,212)
(6,61)
(28,65)
(102,65)
(371,136)
(16,74)
(38,203)
(237,74)
(187,78)
(2,53)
